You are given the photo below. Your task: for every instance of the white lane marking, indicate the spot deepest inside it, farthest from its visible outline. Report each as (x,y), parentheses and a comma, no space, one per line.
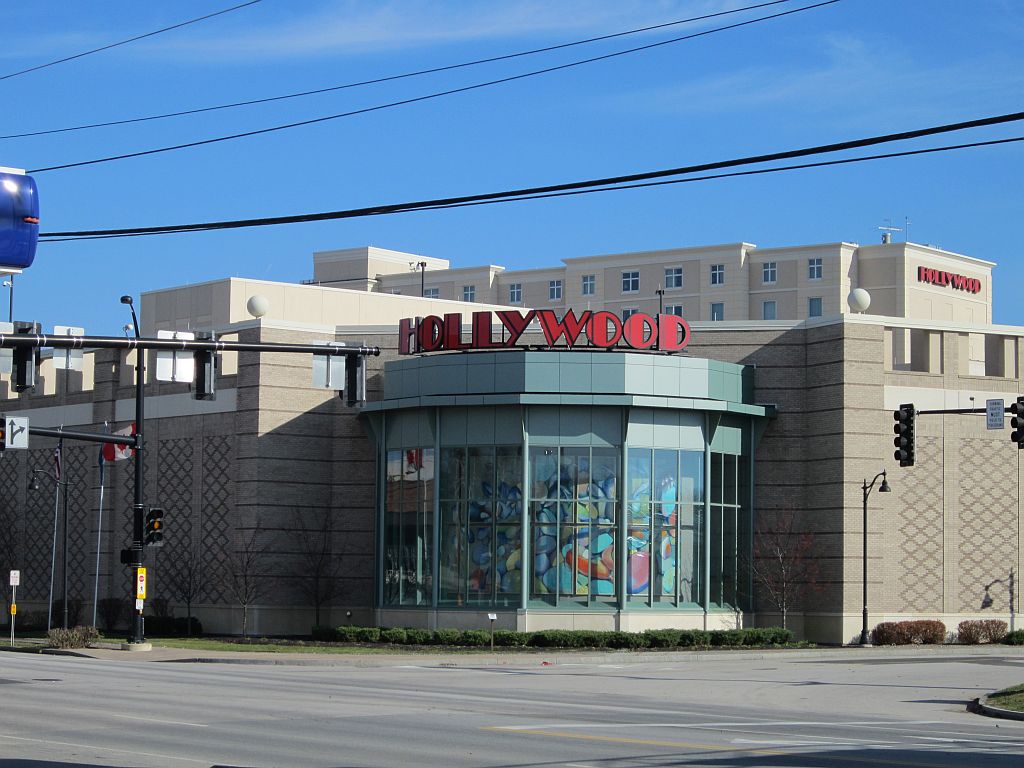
(579,765)
(611,666)
(788,743)
(158,720)
(715,724)
(51,742)
(944,740)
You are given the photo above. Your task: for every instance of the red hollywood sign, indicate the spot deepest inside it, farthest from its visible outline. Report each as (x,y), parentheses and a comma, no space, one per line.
(938,277)
(604,330)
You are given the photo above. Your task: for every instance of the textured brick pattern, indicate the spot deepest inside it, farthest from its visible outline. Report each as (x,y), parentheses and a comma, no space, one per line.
(988,521)
(38,538)
(217,504)
(920,536)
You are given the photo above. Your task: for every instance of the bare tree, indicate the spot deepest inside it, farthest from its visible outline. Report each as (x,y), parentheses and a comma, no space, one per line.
(783,565)
(316,567)
(183,581)
(245,571)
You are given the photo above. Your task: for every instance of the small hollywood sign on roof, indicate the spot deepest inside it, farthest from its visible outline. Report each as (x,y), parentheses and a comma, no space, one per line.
(600,330)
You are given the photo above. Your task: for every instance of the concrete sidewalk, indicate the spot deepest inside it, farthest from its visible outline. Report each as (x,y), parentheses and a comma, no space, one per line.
(540,657)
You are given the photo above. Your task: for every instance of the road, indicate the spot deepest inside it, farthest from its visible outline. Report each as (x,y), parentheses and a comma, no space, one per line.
(778,711)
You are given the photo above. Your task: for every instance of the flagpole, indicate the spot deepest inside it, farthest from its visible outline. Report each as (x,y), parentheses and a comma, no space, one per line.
(99,539)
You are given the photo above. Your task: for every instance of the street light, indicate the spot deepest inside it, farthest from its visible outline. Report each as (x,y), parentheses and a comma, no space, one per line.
(138,507)
(10,304)
(883,488)
(986,602)
(661,298)
(61,488)
(422,267)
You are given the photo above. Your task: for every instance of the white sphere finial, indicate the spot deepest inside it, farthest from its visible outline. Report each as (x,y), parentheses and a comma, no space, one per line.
(258,306)
(859,300)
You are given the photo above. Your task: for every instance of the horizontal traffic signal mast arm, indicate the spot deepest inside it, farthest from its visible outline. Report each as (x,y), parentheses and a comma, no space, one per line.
(16,341)
(960,410)
(88,437)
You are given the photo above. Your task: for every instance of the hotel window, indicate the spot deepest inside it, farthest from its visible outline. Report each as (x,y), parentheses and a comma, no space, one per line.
(469,293)
(768,310)
(718,311)
(589,285)
(431,293)
(555,290)
(674,309)
(814,269)
(814,307)
(628,312)
(630,282)
(515,293)
(718,274)
(769,272)
(673,277)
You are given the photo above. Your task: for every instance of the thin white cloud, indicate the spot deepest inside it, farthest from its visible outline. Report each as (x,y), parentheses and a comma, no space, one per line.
(346,27)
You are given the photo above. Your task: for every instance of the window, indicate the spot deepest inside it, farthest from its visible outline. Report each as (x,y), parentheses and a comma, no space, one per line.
(673,277)
(814,306)
(718,274)
(718,311)
(408,526)
(628,312)
(814,269)
(674,309)
(767,310)
(555,290)
(589,285)
(469,293)
(630,282)
(769,271)
(431,293)
(515,293)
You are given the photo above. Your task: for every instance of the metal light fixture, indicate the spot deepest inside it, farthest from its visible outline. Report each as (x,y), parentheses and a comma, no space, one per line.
(867,488)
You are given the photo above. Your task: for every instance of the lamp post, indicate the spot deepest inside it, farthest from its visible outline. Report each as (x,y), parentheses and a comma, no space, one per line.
(986,602)
(9,284)
(422,267)
(867,488)
(61,488)
(138,507)
(661,298)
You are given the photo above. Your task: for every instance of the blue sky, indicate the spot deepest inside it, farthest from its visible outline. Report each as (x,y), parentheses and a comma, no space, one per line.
(856,68)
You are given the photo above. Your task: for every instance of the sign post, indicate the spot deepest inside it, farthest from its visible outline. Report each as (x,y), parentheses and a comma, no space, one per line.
(15,581)
(994,410)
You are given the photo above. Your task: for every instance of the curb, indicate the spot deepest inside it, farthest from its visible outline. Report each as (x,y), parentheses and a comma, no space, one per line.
(982,707)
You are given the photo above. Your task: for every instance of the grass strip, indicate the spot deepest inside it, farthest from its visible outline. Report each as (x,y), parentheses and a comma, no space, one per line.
(1009,698)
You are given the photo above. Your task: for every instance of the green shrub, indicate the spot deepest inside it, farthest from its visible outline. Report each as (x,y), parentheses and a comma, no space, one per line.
(629,640)
(694,638)
(419,636)
(322,634)
(726,638)
(926,632)
(663,638)
(551,638)
(506,638)
(474,638)
(346,633)
(446,636)
(367,635)
(395,635)
(76,637)
(1015,638)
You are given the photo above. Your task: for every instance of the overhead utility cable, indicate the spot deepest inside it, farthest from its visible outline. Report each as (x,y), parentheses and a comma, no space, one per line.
(565,187)
(390,78)
(427,97)
(129,40)
(614,188)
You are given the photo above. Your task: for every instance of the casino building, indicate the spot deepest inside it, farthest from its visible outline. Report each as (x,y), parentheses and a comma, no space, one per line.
(583,461)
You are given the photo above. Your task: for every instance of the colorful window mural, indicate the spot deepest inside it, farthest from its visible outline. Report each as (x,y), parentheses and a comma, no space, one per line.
(408,529)
(665,527)
(481,499)
(574,507)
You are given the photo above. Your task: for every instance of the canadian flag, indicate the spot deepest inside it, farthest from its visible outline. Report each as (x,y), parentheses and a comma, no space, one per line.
(116,452)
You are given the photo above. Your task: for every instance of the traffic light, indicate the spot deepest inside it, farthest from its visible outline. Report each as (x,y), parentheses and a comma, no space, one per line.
(904,429)
(26,359)
(1017,422)
(155,527)
(205,385)
(355,380)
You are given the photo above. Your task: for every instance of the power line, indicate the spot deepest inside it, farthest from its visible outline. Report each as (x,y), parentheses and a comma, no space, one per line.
(391,78)
(430,96)
(613,188)
(129,40)
(564,187)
